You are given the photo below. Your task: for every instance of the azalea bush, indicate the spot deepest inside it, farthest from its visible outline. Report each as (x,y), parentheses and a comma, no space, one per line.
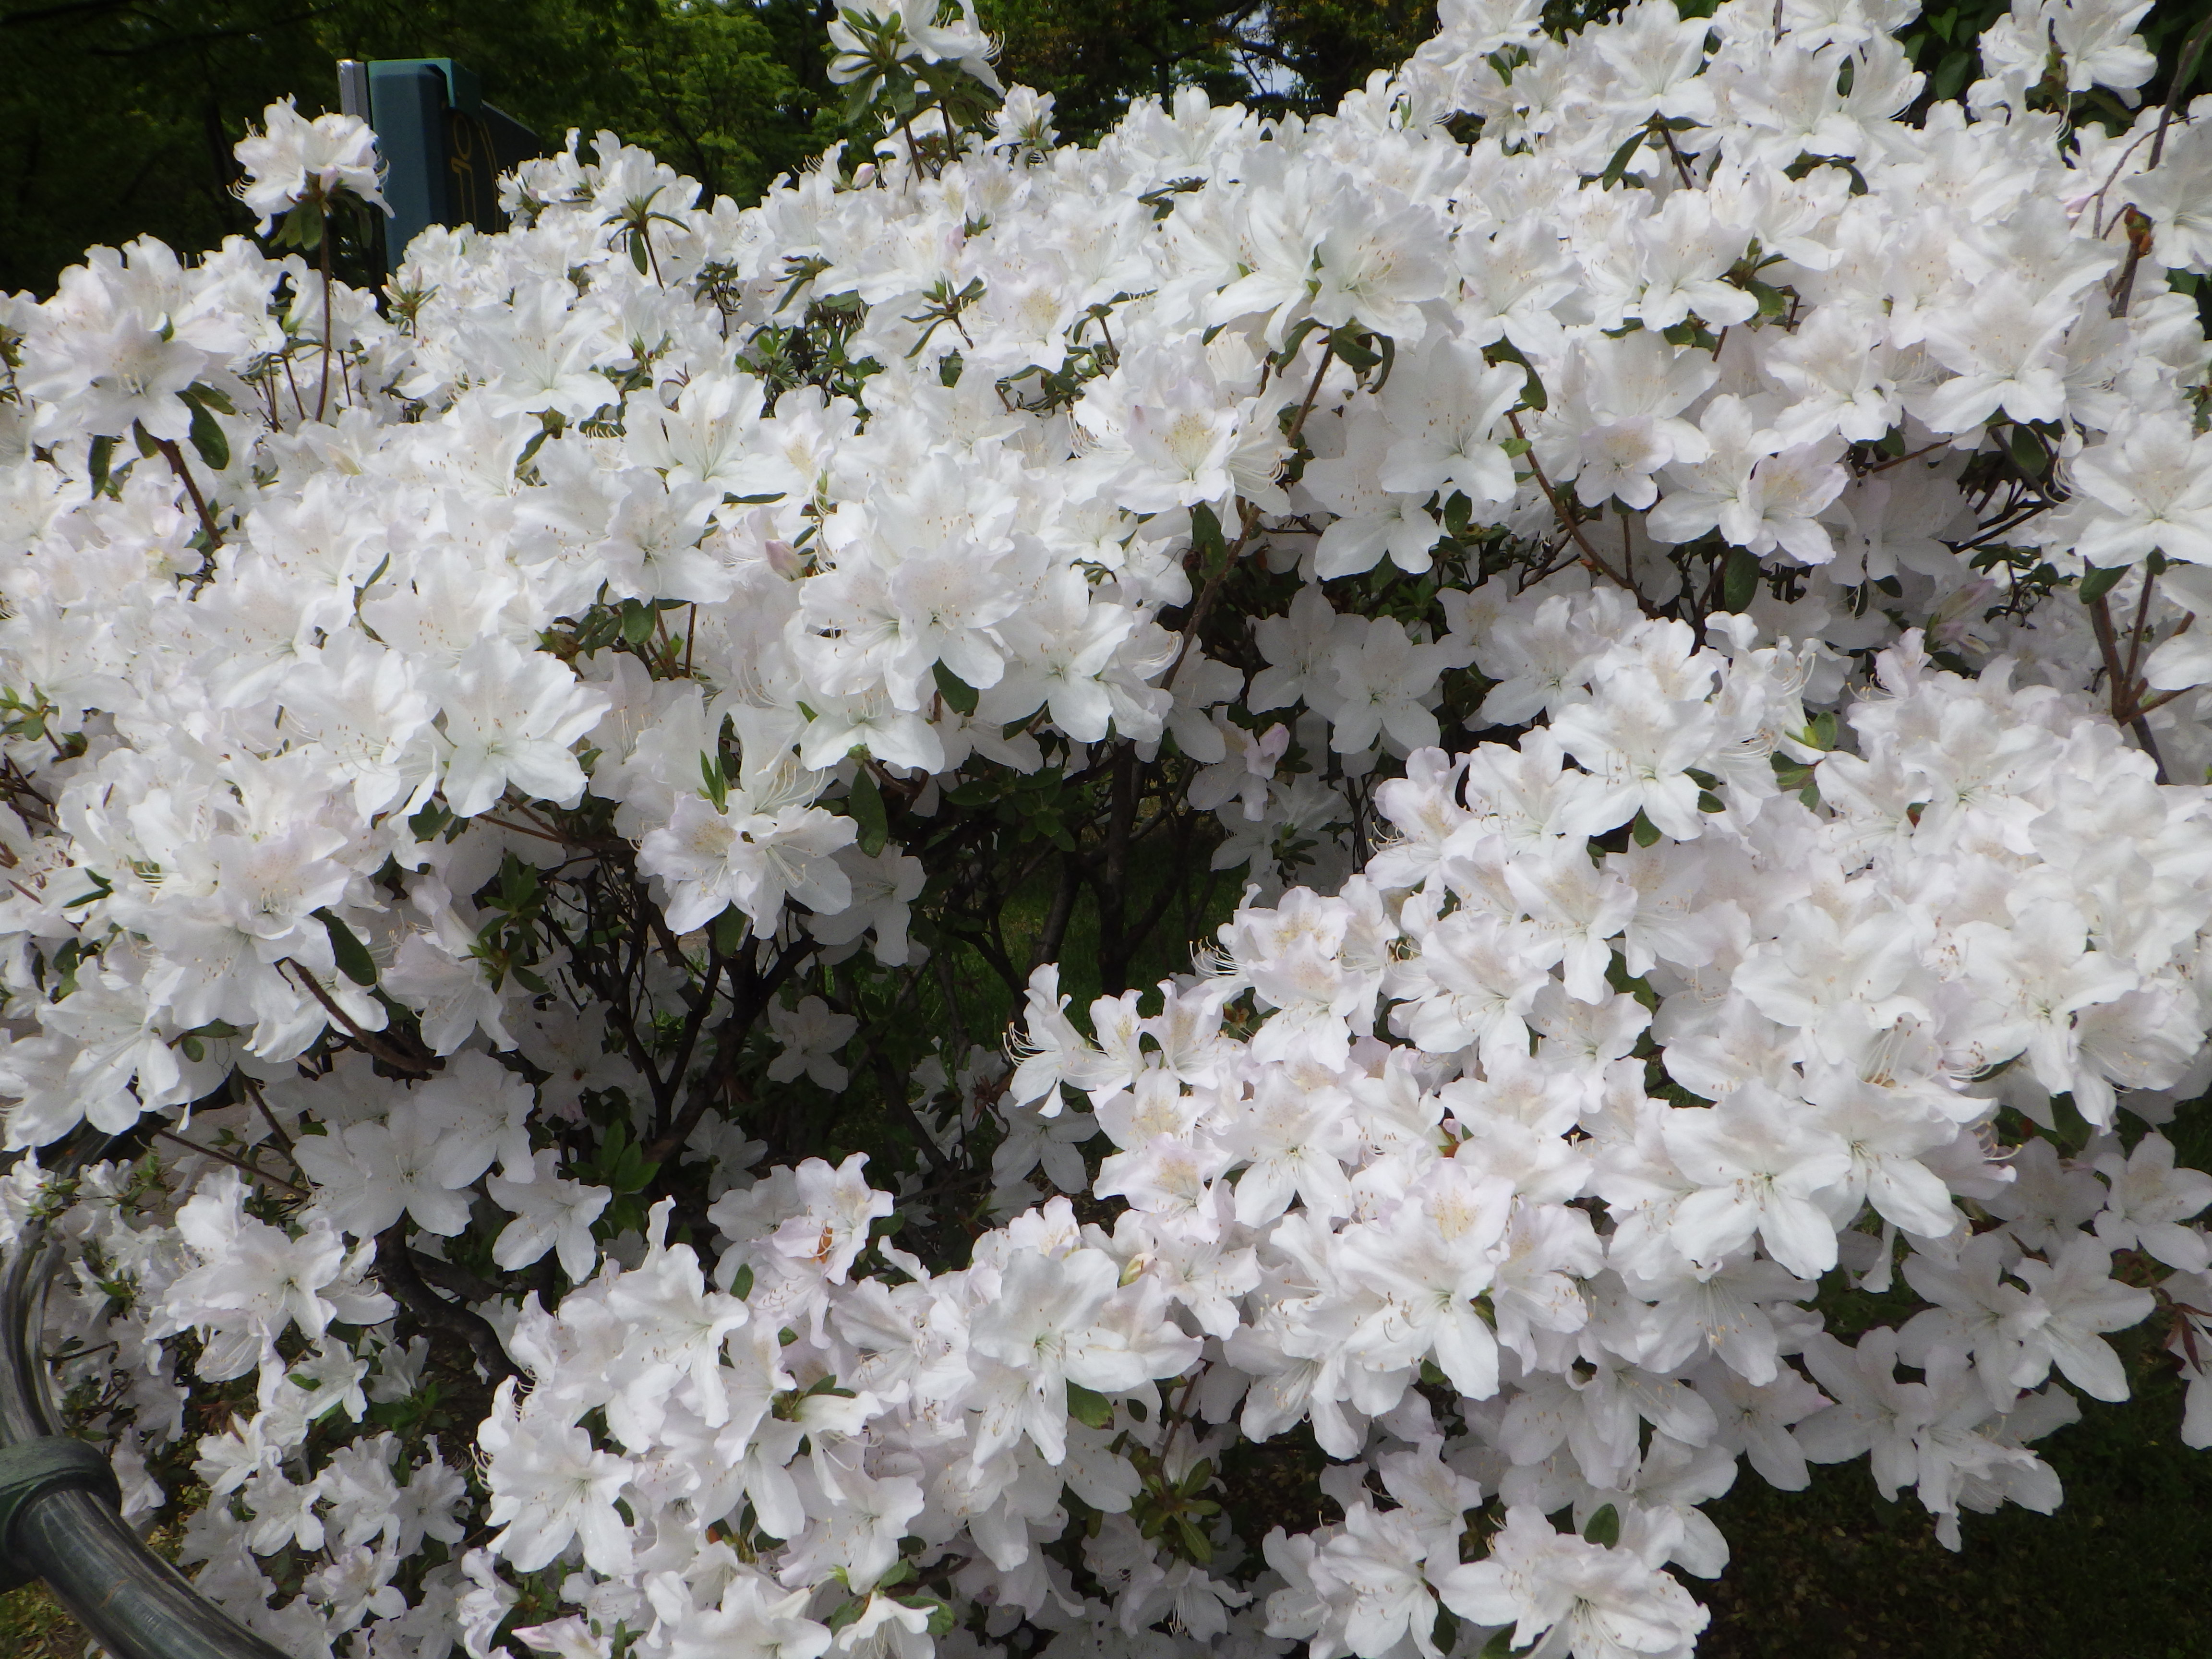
(1633,592)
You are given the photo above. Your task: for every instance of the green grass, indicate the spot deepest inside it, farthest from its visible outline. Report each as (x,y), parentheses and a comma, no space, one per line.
(32,1626)
(2120,1572)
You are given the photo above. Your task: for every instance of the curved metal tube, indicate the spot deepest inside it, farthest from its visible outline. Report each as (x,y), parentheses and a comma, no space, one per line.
(135,1604)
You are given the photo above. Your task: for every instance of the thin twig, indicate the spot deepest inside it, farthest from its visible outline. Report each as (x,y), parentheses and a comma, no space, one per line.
(299,402)
(1590,554)
(168,448)
(1899,460)
(524,829)
(395,1265)
(1680,165)
(2125,710)
(397,1058)
(2139,238)
(1250,521)
(253,1170)
(323,392)
(2136,634)
(1211,591)
(253,1093)
(729,1044)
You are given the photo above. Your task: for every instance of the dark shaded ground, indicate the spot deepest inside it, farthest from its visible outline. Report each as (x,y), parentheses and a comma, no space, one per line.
(2122,1571)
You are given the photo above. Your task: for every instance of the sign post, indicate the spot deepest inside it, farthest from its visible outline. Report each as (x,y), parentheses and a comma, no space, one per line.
(444,147)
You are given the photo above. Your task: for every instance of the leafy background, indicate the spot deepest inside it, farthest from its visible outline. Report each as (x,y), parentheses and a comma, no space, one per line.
(117,119)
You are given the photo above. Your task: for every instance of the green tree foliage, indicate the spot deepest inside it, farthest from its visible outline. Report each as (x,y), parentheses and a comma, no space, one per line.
(116,117)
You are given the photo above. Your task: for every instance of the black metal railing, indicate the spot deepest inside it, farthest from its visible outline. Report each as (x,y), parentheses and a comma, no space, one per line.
(60,1519)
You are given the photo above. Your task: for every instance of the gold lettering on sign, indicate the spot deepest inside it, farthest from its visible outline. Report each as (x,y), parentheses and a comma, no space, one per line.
(461,160)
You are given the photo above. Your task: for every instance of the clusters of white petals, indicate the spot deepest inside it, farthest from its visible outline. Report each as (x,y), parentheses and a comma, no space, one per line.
(1669,558)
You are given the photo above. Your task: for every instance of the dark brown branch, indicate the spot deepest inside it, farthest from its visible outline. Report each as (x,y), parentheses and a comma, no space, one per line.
(618,1009)
(1111,879)
(169,451)
(234,1161)
(694,1020)
(2139,227)
(1048,942)
(1590,557)
(752,991)
(253,1093)
(894,1097)
(451,1276)
(412,1065)
(2120,689)
(396,1267)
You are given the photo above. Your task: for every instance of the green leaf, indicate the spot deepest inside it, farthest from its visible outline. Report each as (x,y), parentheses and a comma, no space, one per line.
(529,450)
(518,884)
(2073,1129)
(1352,348)
(1390,349)
(1297,337)
(729,930)
(1092,1410)
(1645,833)
(1739,578)
(2028,452)
(2097,580)
(1504,351)
(303,228)
(432,817)
(102,457)
(353,958)
(1951,73)
(716,779)
(1604,1527)
(101,887)
(1773,301)
(857,99)
(1195,1543)
(637,620)
(741,1284)
(958,695)
(638,255)
(1617,167)
(940,1616)
(1206,536)
(866,802)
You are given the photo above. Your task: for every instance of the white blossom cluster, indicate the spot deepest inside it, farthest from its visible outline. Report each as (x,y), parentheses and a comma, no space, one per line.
(1668,558)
